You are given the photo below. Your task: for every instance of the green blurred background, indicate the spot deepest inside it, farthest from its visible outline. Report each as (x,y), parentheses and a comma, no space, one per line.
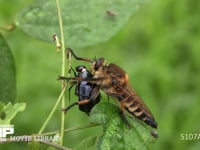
(159,48)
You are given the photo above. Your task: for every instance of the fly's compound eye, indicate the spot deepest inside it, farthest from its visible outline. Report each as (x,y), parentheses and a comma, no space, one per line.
(80,68)
(98,63)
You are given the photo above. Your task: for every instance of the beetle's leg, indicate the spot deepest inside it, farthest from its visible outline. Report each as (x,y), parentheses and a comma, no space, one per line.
(73,83)
(69,90)
(73,71)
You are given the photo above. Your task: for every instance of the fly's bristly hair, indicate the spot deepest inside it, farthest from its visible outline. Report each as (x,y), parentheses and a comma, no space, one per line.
(115,83)
(113,80)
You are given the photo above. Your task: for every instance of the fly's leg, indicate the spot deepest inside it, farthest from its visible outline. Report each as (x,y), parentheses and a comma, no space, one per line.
(122,114)
(126,122)
(79,79)
(69,107)
(69,50)
(82,102)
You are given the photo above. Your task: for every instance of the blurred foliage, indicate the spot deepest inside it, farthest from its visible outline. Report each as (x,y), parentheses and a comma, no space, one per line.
(159,48)
(85,23)
(108,115)
(9,111)
(8,75)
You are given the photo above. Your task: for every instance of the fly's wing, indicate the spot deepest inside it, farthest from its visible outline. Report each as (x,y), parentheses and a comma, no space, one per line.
(135,105)
(95,93)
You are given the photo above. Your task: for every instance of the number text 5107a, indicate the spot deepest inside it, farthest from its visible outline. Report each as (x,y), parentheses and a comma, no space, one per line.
(190,136)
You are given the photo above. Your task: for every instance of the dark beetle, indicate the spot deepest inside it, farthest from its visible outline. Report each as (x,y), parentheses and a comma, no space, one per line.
(87,92)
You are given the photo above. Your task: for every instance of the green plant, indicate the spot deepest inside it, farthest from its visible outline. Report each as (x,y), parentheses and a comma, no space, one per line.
(77,29)
(159,49)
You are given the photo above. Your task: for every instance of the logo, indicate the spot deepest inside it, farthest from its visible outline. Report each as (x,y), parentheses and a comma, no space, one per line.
(6,130)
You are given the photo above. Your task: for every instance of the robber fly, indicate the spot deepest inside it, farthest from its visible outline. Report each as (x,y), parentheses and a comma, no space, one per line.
(114,81)
(87,92)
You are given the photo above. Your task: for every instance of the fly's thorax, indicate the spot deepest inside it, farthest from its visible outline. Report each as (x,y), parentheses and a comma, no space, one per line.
(116,71)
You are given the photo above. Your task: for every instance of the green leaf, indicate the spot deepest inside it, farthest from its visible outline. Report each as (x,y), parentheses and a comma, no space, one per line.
(116,133)
(87,143)
(7,73)
(10,111)
(85,22)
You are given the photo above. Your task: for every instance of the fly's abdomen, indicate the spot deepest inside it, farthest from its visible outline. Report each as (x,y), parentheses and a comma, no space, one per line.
(140,111)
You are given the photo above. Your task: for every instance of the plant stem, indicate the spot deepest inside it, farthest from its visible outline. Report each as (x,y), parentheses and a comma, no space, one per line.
(49,143)
(52,111)
(10,27)
(62,69)
(54,145)
(72,129)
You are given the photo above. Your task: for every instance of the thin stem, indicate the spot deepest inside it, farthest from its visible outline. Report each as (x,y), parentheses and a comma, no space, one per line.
(10,27)
(49,143)
(52,111)
(54,145)
(62,69)
(72,129)
(8,140)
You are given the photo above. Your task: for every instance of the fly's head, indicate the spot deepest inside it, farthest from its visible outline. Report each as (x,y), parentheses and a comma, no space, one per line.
(98,67)
(98,64)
